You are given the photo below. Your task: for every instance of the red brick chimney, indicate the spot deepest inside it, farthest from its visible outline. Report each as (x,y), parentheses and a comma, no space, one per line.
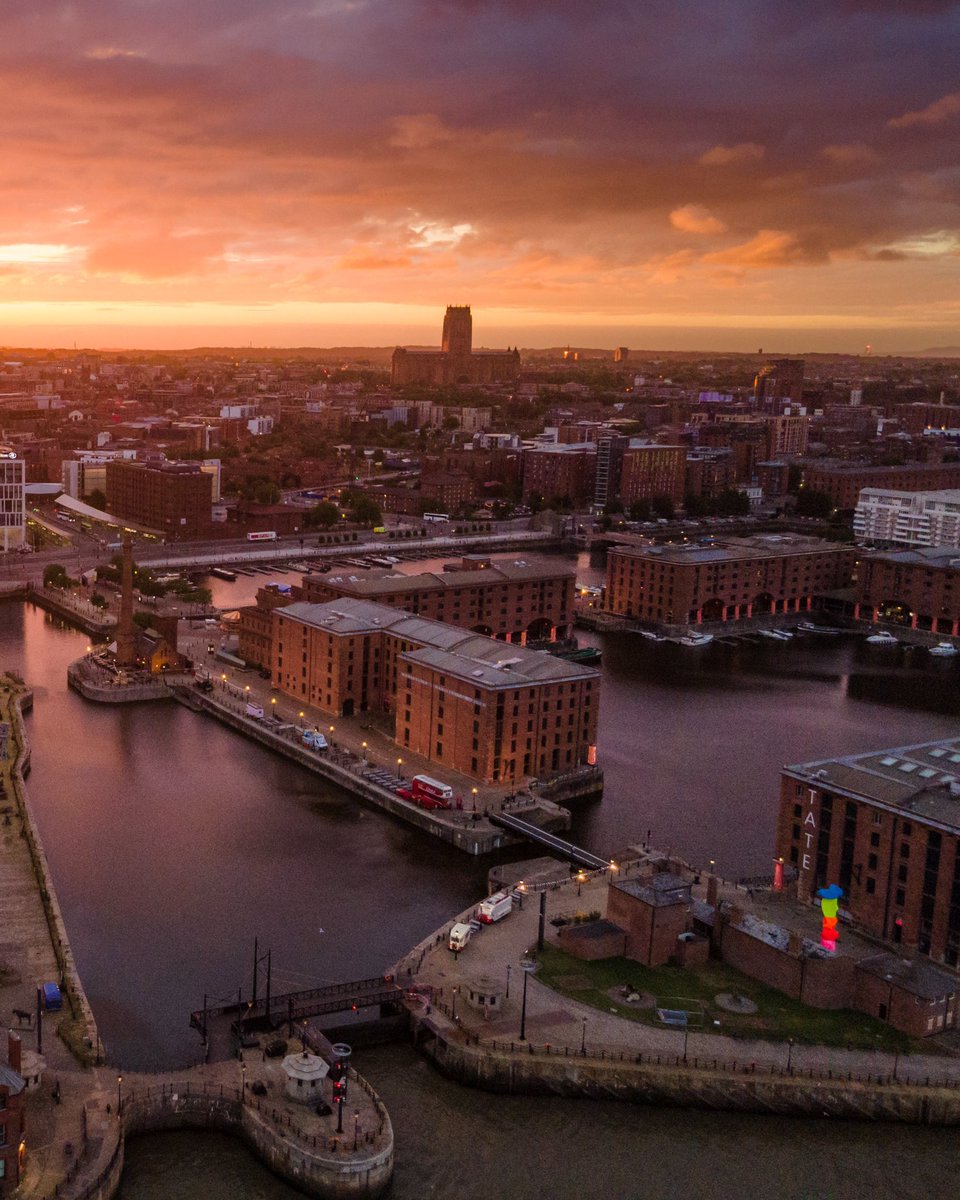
(13,1050)
(713,890)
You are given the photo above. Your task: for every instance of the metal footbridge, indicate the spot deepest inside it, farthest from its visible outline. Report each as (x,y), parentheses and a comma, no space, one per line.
(226,1026)
(574,854)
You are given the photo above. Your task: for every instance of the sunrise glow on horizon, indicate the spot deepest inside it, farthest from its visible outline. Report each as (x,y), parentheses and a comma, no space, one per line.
(295,173)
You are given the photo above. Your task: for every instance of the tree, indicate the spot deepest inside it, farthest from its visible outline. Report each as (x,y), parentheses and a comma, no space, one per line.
(96,499)
(365,511)
(612,507)
(811,503)
(640,510)
(98,601)
(56,576)
(325,514)
(662,506)
(267,492)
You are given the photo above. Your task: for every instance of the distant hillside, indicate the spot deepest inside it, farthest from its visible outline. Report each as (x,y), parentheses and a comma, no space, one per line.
(937,352)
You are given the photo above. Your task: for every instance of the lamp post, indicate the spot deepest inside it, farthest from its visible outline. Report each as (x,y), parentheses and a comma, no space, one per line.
(527,967)
(581,879)
(686,1031)
(453,1007)
(507,994)
(789,1054)
(356,1127)
(119,1095)
(400,768)
(583,1036)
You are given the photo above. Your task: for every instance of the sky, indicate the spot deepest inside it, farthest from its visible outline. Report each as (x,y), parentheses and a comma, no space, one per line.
(716,174)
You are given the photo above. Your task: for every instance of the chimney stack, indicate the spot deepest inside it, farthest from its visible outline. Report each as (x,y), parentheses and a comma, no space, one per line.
(713,890)
(13,1050)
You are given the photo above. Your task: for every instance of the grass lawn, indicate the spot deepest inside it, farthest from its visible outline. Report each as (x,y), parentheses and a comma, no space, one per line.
(777,1017)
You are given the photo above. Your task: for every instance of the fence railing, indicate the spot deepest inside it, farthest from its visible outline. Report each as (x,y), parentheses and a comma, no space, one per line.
(593,1053)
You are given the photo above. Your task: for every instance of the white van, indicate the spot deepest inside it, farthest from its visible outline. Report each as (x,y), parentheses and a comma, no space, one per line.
(314,739)
(460,934)
(495,908)
(255,711)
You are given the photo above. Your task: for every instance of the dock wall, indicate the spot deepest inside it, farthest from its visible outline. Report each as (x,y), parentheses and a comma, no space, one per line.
(541,1070)
(70,980)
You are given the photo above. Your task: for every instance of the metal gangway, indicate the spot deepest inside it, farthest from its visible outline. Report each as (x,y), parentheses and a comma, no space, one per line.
(575,854)
(224,1027)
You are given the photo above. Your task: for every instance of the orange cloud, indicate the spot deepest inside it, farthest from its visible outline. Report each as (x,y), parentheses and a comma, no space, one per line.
(363,260)
(940,110)
(158,256)
(770,248)
(725,156)
(851,154)
(694,218)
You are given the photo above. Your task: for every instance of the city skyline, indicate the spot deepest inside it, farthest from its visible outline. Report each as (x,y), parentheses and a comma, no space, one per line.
(320,174)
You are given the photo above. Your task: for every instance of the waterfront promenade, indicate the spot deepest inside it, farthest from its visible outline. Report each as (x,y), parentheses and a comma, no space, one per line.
(560,1027)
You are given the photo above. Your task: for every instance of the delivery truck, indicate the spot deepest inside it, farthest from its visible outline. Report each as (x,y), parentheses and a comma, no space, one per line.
(495,908)
(459,936)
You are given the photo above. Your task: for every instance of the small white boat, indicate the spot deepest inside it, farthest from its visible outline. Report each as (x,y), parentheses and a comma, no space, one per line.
(692,638)
(882,639)
(944,650)
(651,636)
(776,635)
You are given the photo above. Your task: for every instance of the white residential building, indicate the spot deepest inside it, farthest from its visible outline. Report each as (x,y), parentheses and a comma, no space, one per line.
(908,518)
(13,510)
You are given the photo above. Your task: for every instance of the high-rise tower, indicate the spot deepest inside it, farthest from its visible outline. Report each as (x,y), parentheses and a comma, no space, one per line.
(458,331)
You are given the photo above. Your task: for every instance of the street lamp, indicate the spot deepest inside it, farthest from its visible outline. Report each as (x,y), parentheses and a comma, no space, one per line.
(119,1094)
(583,1036)
(527,967)
(399,767)
(581,879)
(507,994)
(356,1127)
(789,1053)
(453,1009)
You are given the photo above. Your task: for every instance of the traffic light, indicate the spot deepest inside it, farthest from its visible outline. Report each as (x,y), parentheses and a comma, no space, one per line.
(339,1091)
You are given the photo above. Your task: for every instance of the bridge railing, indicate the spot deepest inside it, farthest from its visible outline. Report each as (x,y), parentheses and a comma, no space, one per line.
(280,1003)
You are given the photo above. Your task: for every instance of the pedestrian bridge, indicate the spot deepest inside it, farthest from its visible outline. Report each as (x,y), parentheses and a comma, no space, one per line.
(574,854)
(225,1027)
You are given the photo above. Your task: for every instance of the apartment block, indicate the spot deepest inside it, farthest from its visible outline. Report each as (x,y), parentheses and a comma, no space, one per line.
(514,599)
(908,518)
(884,827)
(843,482)
(175,498)
(917,588)
(725,580)
(650,471)
(560,470)
(494,712)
